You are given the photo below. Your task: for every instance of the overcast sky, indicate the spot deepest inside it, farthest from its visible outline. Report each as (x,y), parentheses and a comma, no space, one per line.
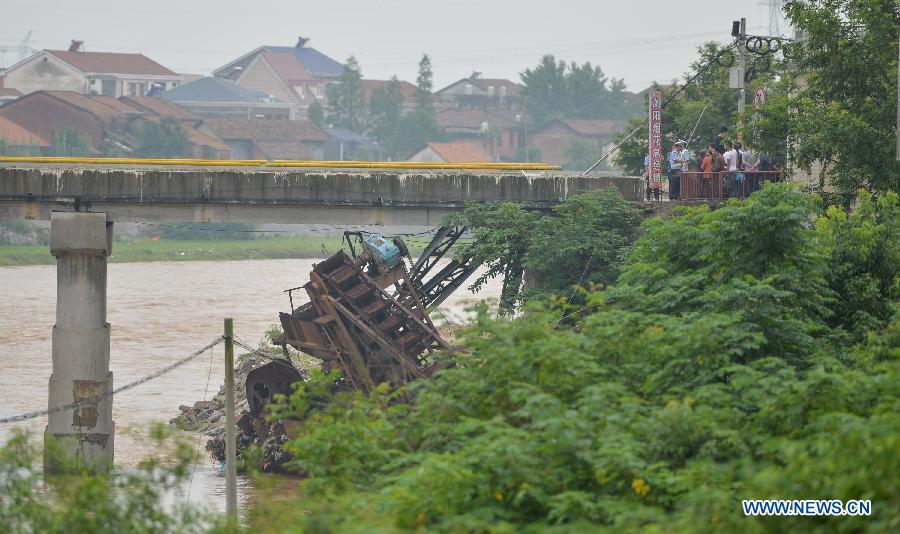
(638,40)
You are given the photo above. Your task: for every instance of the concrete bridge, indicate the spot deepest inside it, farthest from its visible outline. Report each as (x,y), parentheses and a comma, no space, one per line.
(258,194)
(83,200)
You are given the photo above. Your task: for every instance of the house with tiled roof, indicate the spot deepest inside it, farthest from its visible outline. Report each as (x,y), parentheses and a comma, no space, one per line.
(476,92)
(500,134)
(16,140)
(407,91)
(90,73)
(452,152)
(270,139)
(218,98)
(109,126)
(8,94)
(297,75)
(555,137)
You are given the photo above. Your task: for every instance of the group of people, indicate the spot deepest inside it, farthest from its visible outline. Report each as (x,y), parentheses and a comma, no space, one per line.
(723,162)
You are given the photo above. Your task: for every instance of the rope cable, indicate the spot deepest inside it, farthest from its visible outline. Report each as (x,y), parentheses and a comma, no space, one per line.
(97,398)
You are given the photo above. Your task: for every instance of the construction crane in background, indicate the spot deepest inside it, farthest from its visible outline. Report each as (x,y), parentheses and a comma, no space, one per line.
(21,50)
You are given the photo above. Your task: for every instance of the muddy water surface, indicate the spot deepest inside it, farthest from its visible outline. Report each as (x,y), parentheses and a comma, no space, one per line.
(159,313)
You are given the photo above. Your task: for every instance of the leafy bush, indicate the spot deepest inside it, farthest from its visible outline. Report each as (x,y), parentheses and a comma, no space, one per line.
(584,241)
(121,501)
(709,373)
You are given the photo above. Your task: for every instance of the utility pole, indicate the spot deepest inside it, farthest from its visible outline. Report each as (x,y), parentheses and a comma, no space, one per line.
(230,457)
(742,48)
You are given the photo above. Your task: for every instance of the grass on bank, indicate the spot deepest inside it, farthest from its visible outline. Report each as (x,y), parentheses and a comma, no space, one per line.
(146,249)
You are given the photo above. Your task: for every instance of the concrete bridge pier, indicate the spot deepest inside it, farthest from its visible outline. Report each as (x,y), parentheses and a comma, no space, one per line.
(80,436)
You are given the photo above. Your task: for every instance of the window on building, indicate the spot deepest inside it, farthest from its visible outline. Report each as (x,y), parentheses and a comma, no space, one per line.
(108,88)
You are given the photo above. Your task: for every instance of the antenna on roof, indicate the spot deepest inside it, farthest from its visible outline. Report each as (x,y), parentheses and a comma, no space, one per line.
(475,75)
(76,46)
(301,42)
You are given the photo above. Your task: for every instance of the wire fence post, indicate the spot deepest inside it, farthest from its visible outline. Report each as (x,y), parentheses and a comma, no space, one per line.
(230,467)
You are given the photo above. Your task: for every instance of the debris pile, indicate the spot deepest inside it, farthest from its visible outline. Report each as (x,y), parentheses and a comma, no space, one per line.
(208,417)
(367,316)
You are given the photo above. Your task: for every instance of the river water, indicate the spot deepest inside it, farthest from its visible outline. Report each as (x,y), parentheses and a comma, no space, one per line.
(159,313)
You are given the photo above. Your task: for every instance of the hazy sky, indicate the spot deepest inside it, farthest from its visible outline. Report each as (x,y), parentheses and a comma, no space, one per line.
(638,40)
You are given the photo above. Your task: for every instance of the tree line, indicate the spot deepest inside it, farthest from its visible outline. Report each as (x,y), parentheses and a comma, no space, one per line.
(552,89)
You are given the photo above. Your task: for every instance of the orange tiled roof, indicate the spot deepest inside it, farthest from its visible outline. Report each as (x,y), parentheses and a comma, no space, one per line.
(159,106)
(13,134)
(266,130)
(407,89)
(597,127)
(95,106)
(112,63)
(460,152)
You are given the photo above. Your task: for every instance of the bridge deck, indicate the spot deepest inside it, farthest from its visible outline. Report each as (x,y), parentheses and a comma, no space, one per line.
(258,194)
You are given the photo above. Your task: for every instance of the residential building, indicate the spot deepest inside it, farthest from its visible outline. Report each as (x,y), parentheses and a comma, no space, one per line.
(500,134)
(556,136)
(218,98)
(297,75)
(476,92)
(18,141)
(89,73)
(109,126)
(407,90)
(453,152)
(203,144)
(270,139)
(346,145)
(8,94)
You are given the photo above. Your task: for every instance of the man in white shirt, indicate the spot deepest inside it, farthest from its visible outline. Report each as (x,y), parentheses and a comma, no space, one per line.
(734,177)
(731,156)
(677,159)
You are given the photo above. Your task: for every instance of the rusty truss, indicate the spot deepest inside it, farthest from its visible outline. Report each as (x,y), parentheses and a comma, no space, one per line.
(367,314)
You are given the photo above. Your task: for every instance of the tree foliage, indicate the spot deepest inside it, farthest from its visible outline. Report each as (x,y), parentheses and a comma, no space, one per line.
(316,114)
(165,138)
(703,108)
(121,501)
(707,374)
(841,112)
(347,100)
(71,143)
(583,241)
(554,89)
(385,114)
(399,133)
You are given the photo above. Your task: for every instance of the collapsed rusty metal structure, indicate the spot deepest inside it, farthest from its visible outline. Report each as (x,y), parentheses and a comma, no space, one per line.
(367,314)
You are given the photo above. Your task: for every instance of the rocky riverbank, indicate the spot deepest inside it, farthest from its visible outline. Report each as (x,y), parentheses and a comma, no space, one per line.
(208,417)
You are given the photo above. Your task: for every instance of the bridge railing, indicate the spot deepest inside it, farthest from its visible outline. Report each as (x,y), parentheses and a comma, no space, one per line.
(414,165)
(715,186)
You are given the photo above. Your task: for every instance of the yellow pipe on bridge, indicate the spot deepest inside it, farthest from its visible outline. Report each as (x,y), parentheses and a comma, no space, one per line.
(411,165)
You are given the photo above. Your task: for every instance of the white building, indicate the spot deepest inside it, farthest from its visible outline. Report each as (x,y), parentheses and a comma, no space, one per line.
(90,73)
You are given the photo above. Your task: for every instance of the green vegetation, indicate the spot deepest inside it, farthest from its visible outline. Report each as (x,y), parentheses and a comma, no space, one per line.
(346,99)
(163,139)
(172,250)
(840,112)
(583,242)
(554,89)
(71,143)
(717,367)
(203,232)
(80,502)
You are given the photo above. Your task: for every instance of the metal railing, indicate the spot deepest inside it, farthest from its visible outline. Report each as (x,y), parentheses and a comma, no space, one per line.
(411,165)
(715,186)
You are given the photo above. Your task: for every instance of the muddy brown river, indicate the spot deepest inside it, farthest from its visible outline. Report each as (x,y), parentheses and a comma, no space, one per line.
(159,313)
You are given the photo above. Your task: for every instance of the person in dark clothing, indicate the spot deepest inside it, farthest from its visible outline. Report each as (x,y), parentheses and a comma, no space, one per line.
(719,139)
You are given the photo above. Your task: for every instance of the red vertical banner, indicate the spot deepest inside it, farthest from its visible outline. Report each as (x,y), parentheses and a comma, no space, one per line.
(657,157)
